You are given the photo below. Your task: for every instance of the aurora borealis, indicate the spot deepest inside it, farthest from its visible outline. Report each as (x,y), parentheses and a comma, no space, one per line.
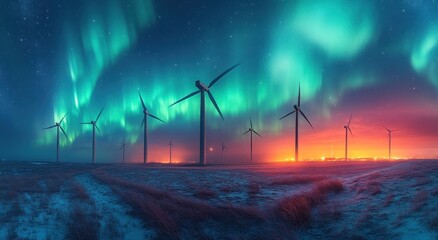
(377,60)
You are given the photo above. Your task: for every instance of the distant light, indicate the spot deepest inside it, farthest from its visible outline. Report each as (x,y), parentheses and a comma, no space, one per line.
(211,149)
(323,158)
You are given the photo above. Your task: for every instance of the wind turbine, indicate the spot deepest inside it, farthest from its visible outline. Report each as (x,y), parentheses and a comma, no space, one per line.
(145,129)
(122,147)
(297,109)
(223,147)
(170,151)
(94,123)
(250,131)
(58,126)
(202,88)
(347,128)
(389,136)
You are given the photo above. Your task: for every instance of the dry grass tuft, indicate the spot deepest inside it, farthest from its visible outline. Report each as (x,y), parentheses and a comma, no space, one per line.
(170,213)
(79,191)
(419,200)
(83,224)
(297,209)
(204,193)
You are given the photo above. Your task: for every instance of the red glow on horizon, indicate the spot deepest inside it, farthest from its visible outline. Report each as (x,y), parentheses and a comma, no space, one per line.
(417,137)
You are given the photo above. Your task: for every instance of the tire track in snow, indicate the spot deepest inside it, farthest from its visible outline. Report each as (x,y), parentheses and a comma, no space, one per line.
(112,211)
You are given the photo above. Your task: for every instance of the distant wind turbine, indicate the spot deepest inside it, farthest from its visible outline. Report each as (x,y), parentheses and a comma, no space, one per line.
(223,147)
(58,126)
(296,110)
(145,123)
(347,128)
(202,89)
(122,147)
(170,151)
(250,131)
(94,123)
(390,136)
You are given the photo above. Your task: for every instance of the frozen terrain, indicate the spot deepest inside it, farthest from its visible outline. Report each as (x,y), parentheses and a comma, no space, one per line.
(312,200)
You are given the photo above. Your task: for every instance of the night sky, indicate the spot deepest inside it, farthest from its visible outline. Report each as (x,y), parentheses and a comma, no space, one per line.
(376,60)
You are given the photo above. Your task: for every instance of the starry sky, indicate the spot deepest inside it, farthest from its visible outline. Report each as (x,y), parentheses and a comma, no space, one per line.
(376,60)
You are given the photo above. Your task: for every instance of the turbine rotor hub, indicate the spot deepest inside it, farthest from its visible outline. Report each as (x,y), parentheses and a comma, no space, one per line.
(201,86)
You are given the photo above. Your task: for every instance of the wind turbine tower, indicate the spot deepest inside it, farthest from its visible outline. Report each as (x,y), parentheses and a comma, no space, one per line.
(250,131)
(390,138)
(347,128)
(122,147)
(223,147)
(297,109)
(170,151)
(145,129)
(58,126)
(202,88)
(94,123)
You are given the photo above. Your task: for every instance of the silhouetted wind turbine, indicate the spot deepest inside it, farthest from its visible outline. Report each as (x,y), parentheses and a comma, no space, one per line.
(296,110)
(389,136)
(251,130)
(58,126)
(145,122)
(170,151)
(122,147)
(202,89)
(223,147)
(94,123)
(347,128)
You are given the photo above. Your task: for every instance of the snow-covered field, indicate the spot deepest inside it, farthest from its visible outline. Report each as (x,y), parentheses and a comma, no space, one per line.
(312,200)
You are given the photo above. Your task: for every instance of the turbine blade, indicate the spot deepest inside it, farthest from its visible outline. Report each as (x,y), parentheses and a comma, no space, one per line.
(299,94)
(246,132)
(305,117)
(386,128)
(85,123)
(250,122)
(287,115)
(50,127)
(153,116)
(256,133)
(97,128)
(221,75)
(62,119)
(214,103)
(142,102)
(184,98)
(142,122)
(62,129)
(98,116)
(350,130)
(349,121)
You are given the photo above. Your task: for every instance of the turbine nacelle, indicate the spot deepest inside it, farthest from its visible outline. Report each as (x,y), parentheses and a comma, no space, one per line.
(201,86)
(296,107)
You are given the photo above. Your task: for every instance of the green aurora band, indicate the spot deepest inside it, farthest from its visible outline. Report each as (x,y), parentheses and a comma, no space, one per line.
(101,38)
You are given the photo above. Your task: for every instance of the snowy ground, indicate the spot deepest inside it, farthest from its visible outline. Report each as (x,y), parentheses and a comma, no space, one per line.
(315,200)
